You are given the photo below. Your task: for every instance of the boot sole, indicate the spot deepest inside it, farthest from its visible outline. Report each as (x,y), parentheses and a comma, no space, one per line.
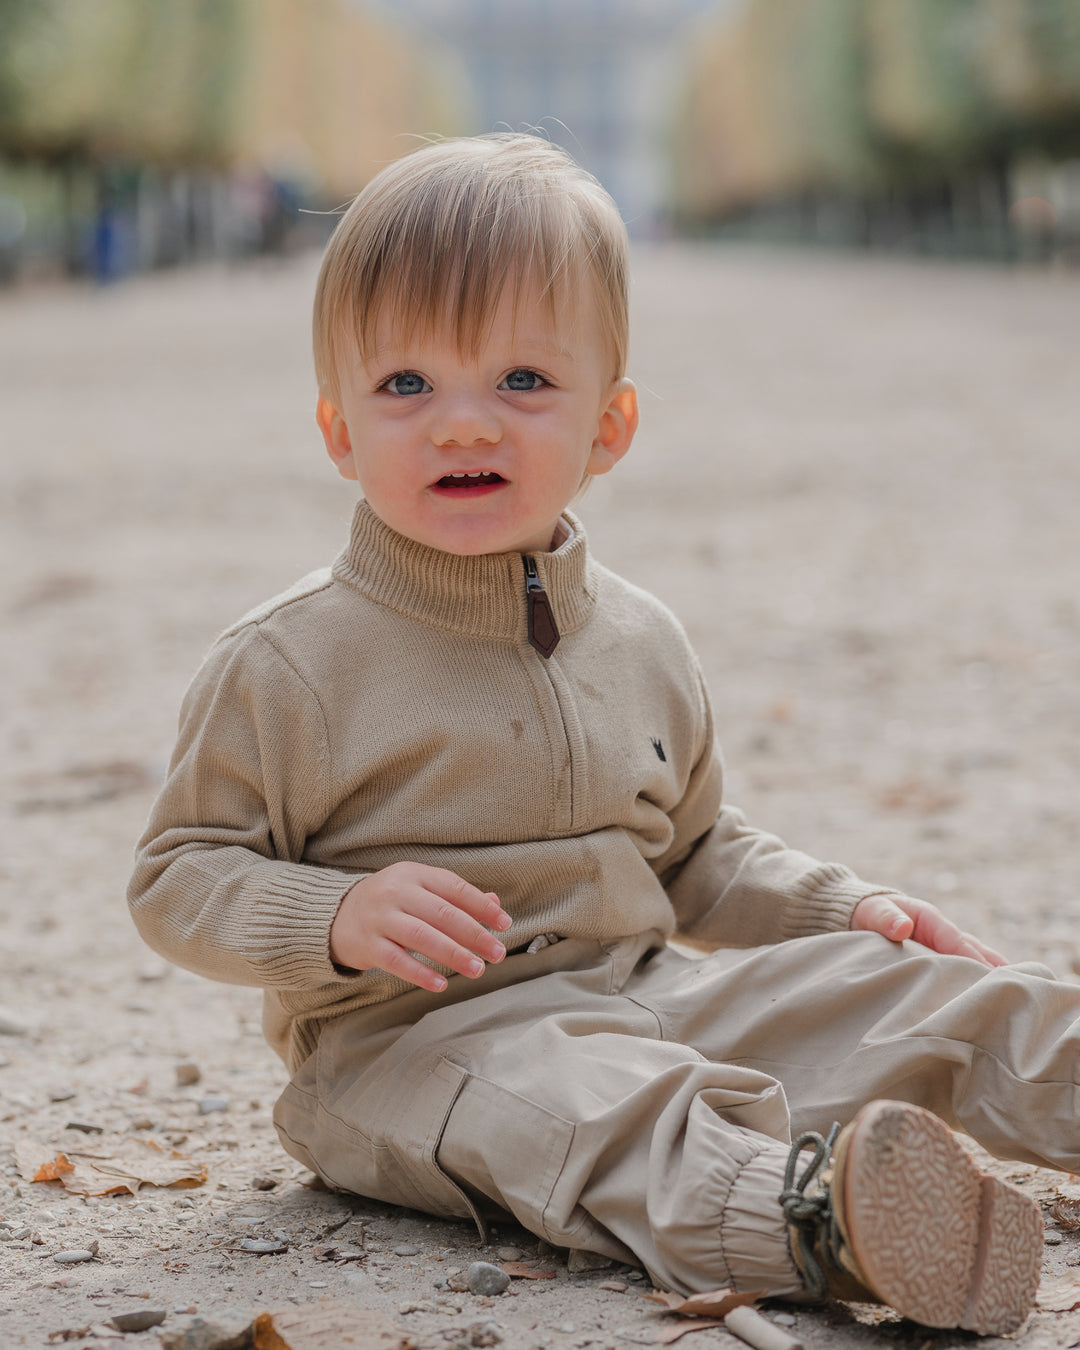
(937,1240)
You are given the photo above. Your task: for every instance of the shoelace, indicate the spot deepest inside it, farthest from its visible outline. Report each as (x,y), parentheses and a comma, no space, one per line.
(811,1214)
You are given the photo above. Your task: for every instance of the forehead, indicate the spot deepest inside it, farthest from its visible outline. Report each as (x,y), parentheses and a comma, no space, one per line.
(561,317)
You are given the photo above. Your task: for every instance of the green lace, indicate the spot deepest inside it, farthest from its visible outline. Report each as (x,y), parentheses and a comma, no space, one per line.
(811,1216)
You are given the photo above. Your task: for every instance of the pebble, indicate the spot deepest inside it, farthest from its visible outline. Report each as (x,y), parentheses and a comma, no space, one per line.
(153,970)
(200,1334)
(423,1307)
(4,1061)
(263,1246)
(1052,1239)
(783,1319)
(509,1253)
(73,1256)
(187,1075)
(85,1127)
(407,1250)
(140,1320)
(62,1093)
(10,1025)
(261,1183)
(207,1105)
(615,1286)
(484,1278)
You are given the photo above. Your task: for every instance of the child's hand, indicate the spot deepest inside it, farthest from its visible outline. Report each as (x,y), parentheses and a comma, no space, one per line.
(899,917)
(409,907)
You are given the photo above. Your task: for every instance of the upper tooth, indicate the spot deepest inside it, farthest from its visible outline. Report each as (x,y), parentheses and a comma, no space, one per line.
(478,474)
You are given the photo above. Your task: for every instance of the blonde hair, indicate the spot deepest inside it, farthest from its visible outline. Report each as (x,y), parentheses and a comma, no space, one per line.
(439,234)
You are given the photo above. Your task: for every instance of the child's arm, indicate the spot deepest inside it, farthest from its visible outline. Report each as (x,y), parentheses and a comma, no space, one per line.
(899,917)
(223,882)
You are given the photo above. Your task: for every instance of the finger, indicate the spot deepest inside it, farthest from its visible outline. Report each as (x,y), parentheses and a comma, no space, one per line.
(879,914)
(395,960)
(979,951)
(446,918)
(416,934)
(482,905)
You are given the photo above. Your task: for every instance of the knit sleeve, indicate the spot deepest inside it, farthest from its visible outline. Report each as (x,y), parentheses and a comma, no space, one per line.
(733,885)
(219,884)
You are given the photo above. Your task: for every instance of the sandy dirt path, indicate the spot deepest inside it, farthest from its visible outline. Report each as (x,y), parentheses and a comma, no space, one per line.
(857,482)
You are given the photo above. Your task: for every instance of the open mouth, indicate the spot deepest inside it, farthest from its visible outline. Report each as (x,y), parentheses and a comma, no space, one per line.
(458,481)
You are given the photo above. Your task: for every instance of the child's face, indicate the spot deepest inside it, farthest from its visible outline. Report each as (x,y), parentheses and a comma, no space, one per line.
(482,454)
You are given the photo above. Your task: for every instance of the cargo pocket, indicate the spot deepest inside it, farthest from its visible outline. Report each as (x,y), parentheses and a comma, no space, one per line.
(377,1129)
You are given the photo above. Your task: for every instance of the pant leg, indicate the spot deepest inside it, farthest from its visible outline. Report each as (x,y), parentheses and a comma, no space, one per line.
(555,1098)
(845,1018)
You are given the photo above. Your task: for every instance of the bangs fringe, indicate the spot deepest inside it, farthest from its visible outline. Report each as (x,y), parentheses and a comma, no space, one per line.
(438,236)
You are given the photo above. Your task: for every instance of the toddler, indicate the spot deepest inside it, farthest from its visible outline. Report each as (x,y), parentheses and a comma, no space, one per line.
(447,800)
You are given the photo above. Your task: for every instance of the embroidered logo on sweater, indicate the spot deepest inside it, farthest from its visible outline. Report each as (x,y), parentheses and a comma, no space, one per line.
(658,746)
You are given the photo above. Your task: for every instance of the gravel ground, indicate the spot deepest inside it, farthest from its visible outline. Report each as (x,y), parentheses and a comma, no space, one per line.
(856,481)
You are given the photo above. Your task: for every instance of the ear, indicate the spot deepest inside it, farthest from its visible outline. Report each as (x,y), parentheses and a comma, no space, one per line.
(618,422)
(335,434)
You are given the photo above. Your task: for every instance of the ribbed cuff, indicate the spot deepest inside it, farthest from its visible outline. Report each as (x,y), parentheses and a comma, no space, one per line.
(290,926)
(824,901)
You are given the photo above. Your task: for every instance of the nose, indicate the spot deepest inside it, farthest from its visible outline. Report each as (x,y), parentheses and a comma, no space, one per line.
(464,418)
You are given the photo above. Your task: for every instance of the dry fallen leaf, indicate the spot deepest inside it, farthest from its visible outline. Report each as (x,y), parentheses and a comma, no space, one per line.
(1060,1295)
(521,1270)
(344,1252)
(139,1162)
(327,1326)
(715,1303)
(1066,1213)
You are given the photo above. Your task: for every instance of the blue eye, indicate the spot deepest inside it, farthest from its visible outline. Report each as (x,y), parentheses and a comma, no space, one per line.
(523,381)
(407,382)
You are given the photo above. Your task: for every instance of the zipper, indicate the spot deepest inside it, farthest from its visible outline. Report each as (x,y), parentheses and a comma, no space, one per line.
(543,630)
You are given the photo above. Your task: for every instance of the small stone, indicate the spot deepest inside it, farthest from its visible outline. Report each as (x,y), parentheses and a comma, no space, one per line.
(1051,1238)
(316,1284)
(484,1278)
(263,1246)
(261,1183)
(73,1255)
(510,1254)
(407,1250)
(153,971)
(12,1025)
(207,1105)
(61,1093)
(458,1283)
(142,1123)
(84,1127)
(615,1286)
(200,1334)
(142,1319)
(187,1075)
(783,1319)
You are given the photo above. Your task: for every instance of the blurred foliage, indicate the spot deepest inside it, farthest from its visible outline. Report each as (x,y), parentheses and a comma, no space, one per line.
(315,84)
(790,96)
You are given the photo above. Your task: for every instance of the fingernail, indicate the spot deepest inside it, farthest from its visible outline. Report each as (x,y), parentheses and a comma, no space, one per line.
(503,922)
(474,968)
(440,985)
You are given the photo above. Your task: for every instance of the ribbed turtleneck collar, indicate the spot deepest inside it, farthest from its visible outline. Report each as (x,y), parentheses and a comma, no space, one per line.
(479,595)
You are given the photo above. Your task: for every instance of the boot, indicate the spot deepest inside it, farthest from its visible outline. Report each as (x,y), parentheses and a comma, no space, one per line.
(894,1211)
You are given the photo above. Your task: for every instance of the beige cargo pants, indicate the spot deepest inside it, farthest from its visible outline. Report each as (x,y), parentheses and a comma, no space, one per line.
(625,1099)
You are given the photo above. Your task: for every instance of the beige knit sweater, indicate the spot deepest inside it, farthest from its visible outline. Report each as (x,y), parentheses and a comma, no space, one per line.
(392,708)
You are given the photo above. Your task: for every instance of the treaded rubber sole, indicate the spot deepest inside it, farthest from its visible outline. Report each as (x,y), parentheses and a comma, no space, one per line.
(937,1240)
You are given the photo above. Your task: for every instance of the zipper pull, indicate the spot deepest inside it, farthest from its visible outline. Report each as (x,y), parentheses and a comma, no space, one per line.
(543,630)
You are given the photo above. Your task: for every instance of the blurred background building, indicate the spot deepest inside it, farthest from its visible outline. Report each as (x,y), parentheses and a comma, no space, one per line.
(600,77)
(144,133)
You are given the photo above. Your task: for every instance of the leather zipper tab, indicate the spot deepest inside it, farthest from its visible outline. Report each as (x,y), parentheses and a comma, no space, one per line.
(543,630)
